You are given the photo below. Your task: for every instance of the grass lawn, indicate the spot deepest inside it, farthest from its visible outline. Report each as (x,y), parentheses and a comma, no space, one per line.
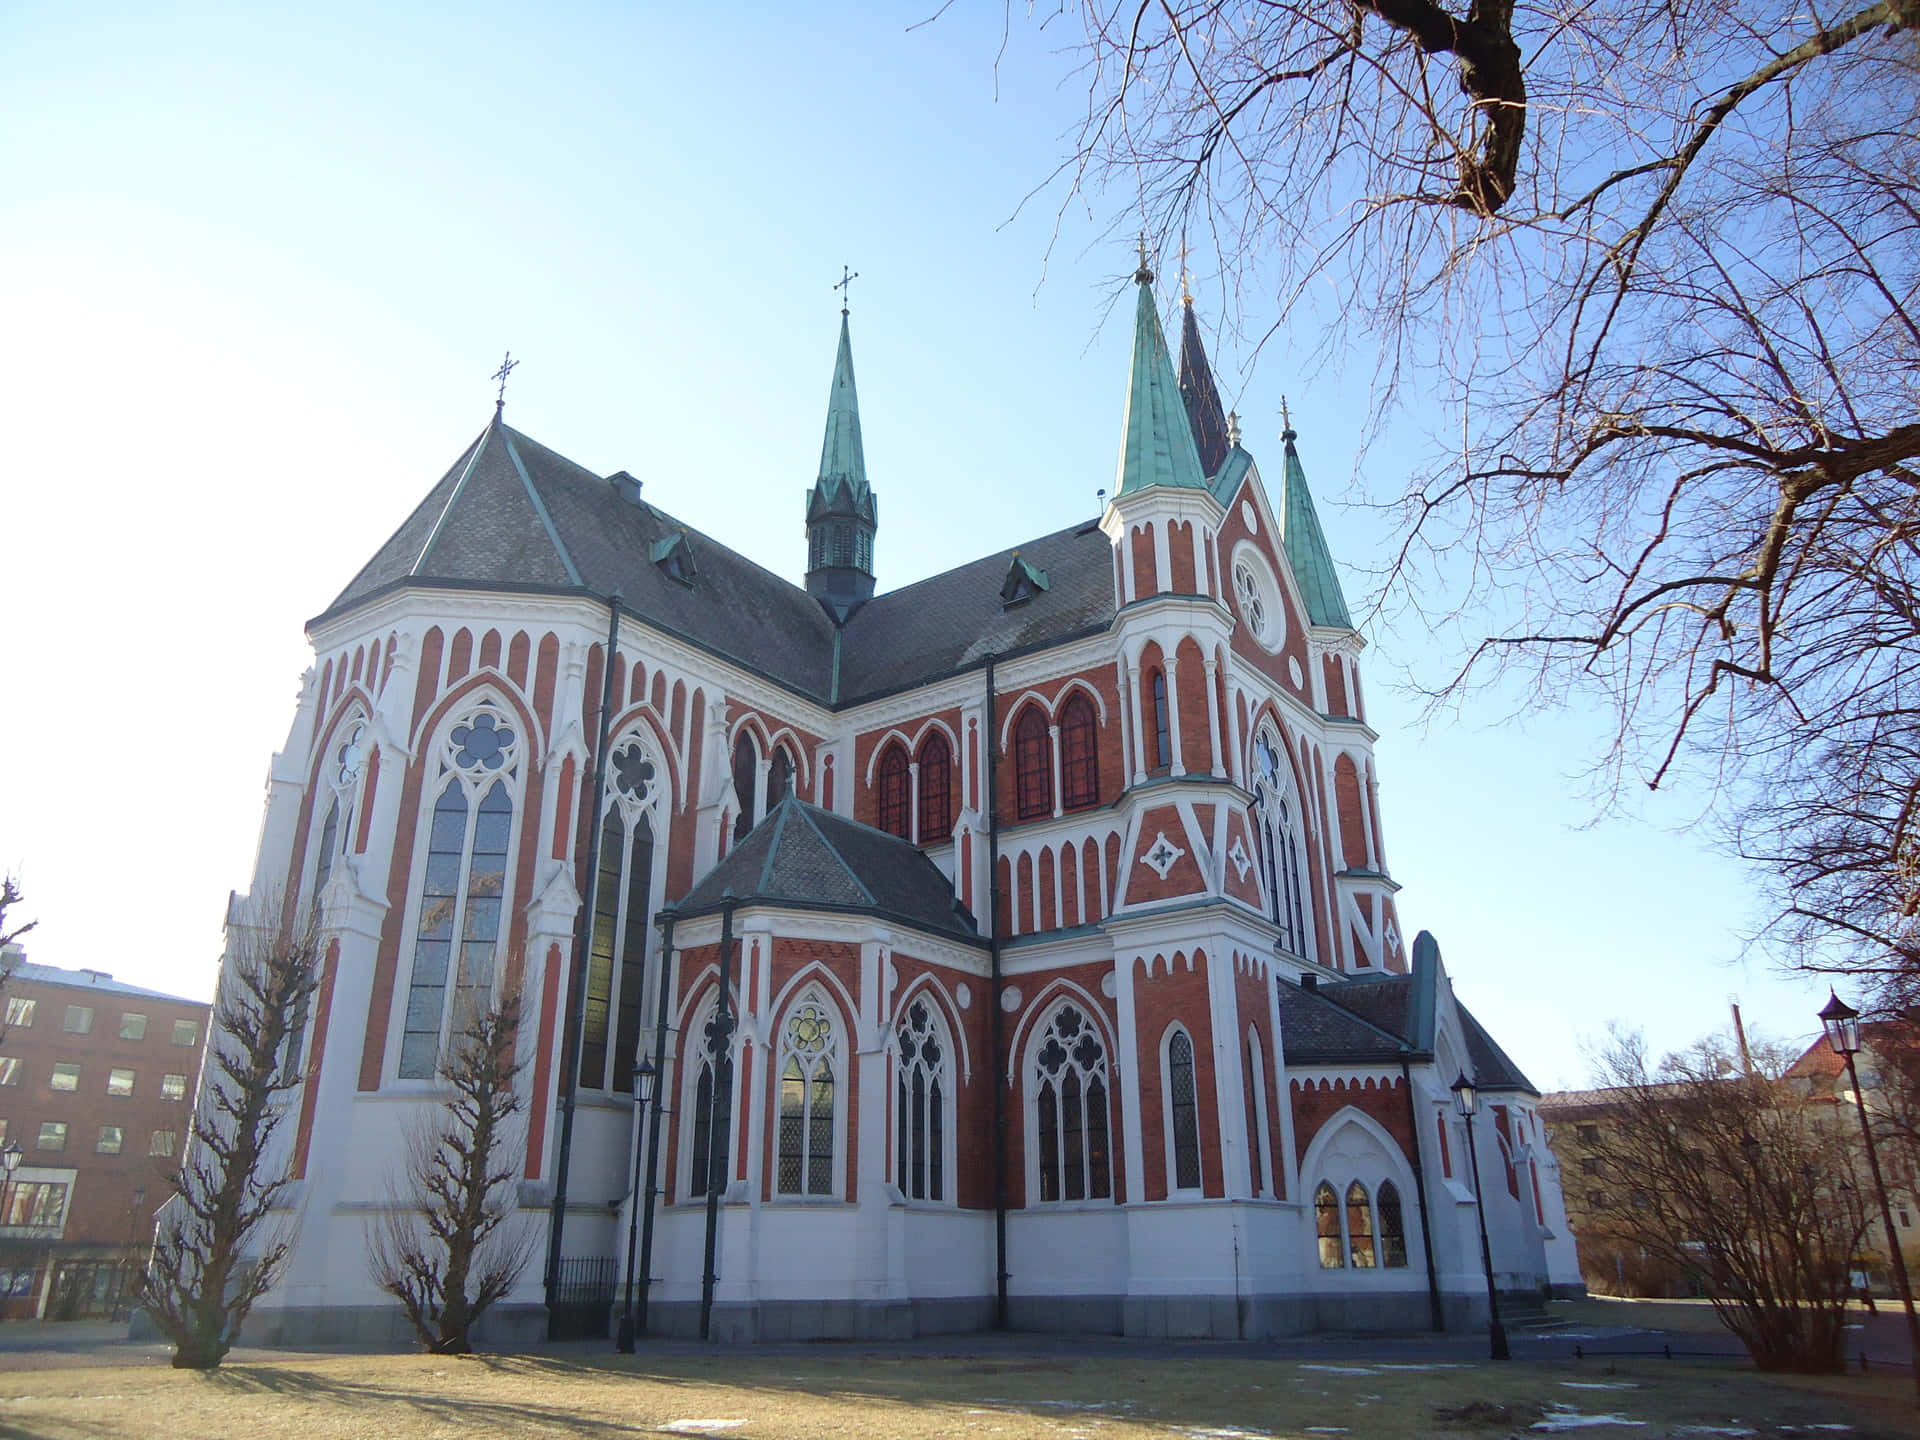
(860,1394)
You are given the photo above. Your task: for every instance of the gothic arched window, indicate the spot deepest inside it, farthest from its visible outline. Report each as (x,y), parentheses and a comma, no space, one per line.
(622,912)
(893,800)
(711,1103)
(922,1088)
(1326,1228)
(1079,754)
(462,887)
(779,777)
(1279,844)
(806,1101)
(1162,756)
(1069,1116)
(1256,1112)
(746,777)
(936,790)
(1359,1227)
(1393,1227)
(1033,764)
(1183,1112)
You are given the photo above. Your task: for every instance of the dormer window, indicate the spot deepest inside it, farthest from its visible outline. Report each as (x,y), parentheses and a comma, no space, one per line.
(1023,582)
(674,556)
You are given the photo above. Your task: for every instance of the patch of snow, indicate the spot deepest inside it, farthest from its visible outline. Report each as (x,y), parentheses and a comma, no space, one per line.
(1600,1384)
(1385,1365)
(1326,1429)
(1565,1419)
(1344,1369)
(1713,1430)
(699,1427)
(1225,1433)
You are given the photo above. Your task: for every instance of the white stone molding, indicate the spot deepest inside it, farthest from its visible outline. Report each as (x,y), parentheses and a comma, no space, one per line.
(1161,856)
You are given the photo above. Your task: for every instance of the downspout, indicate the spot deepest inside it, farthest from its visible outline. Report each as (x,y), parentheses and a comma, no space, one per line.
(721,1108)
(660,1093)
(1419,1185)
(577,979)
(998,1045)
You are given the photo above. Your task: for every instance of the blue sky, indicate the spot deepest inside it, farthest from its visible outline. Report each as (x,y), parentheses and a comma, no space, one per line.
(256,266)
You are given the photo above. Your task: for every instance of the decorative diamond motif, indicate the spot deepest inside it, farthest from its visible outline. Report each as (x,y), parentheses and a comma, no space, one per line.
(1242,862)
(1161,857)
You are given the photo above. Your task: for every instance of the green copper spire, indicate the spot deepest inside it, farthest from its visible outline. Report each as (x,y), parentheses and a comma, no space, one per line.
(1156,443)
(1306,543)
(843,460)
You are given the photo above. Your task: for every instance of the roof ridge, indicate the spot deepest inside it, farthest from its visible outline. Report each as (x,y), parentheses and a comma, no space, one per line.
(834,850)
(540,509)
(474,453)
(779,818)
(1327,994)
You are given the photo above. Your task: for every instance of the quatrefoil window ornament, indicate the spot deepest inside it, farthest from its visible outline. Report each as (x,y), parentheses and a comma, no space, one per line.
(482,743)
(351,756)
(633,772)
(1160,857)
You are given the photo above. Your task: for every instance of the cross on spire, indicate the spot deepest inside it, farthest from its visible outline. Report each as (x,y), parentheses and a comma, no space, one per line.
(1144,275)
(507,367)
(1186,290)
(1286,421)
(845,286)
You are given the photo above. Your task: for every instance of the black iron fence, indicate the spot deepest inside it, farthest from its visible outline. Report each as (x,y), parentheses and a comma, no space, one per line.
(583,1295)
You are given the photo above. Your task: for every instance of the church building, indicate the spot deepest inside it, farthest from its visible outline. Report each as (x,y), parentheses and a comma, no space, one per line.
(1019,947)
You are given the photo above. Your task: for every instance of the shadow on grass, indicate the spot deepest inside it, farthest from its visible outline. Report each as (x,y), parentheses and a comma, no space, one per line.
(509,1416)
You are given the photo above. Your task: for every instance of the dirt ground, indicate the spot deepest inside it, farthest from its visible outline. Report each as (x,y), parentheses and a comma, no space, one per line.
(856,1395)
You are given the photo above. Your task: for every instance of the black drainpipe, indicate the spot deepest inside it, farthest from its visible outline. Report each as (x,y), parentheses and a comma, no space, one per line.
(577,977)
(660,1092)
(998,1047)
(1420,1184)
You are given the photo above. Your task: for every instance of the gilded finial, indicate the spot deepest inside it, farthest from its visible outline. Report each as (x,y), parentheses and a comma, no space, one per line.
(1144,275)
(1286,422)
(1186,290)
(1233,427)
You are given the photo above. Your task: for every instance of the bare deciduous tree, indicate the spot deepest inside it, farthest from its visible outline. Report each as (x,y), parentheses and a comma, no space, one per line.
(218,1244)
(9,897)
(1660,264)
(1720,1172)
(452,1244)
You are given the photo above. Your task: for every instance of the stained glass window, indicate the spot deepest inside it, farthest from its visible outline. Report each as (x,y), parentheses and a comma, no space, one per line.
(1033,764)
(1393,1227)
(936,790)
(1326,1228)
(806,1102)
(1079,754)
(892,799)
(1359,1227)
(1069,1079)
(1185,1111)
(919,1103)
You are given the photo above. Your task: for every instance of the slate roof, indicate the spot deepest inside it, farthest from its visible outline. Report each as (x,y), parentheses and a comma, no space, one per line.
(1492,1070)
(1376,1017)
(1316,1030)
(1205,417)
(803,857)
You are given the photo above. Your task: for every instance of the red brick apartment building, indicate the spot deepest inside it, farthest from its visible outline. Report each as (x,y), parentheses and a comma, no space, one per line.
(96,1089)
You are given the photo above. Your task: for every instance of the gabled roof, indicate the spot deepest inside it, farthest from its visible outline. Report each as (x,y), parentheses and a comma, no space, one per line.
(514,515)
(1156,444)
(1316,1030)
(1306,544)
(803,857)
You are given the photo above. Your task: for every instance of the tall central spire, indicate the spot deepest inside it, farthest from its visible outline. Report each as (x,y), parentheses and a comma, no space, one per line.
(1156,445)
(841,511)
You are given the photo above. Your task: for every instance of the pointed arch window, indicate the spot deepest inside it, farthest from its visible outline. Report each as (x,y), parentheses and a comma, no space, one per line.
(1393,1227)
(893,798)
(1162,757)
(779,777)
(622,916)
(1279,844)
(463,886)
(1183,1112)
(1359,1227)
(806,1101)
(923,1085)
(707,1163)
(1326,1228)
(1070,1117)
(936,790)
(746,778)
(1079,754)
(1033,764)
(1256,1112)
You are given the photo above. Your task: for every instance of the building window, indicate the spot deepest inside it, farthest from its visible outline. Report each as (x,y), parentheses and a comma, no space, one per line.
(1069,1119)
(20,1010)
(65,1076)
(462,888)
(41,1204)
(1326,1228)
(893,797)
(707,1169)
(133,1027)
(1359,1227)
(1184,1112)
(1280,850)
(1256,1112)
(119,1081)
(1589,1134)
(53,1135)
(806,1102)
(79,1019)
(920,1105)
(1589,1165)
(1393,1227)
(1033,764)
(110,1141)
(746,780)
(173,1087)
(1596,1199)
(163,1143)
(9,1070)
(622,912)
(1079,754)
(186,1032)
(1162,756)
(936,790)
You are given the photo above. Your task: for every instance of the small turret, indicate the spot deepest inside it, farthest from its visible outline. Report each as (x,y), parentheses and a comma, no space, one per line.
(841,513)
(1204,413)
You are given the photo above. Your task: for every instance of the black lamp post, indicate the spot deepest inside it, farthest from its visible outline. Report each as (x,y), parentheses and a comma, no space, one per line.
(1467,1099)
(643,1077)
(1842,1024)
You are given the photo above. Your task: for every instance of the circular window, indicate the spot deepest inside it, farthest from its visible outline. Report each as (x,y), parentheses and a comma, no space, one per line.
(1257,595)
